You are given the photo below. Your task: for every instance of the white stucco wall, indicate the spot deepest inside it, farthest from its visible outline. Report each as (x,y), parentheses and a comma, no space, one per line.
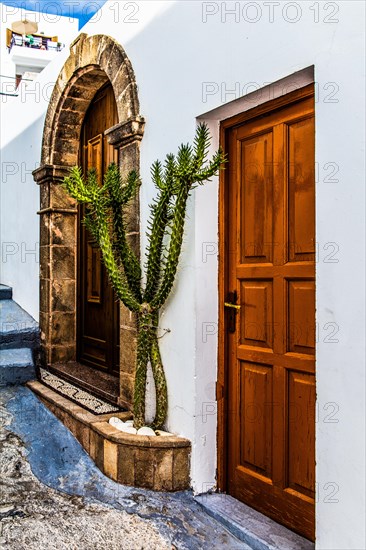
(22,121)
(190,57)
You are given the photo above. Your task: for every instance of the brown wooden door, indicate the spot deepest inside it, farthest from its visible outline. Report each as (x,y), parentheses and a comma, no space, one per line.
(98,308)
(270,357)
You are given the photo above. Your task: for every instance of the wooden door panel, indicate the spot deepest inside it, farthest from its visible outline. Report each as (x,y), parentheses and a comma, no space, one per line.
(301,318)
(257,313)
(269,262)
(257,436)
(94,274)
(301,436)
(301,200)
(256,200)
(95,155)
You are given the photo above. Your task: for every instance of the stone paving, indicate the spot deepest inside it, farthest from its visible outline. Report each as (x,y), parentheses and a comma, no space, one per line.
(54,497)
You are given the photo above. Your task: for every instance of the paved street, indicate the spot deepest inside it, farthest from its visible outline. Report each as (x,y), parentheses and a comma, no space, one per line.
(53,496)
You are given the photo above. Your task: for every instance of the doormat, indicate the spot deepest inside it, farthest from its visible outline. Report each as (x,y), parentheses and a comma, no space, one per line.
(96,405)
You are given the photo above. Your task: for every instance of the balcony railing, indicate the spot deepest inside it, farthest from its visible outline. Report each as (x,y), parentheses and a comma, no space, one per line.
(34,41)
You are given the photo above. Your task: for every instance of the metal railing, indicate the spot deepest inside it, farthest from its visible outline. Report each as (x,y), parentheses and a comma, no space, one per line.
(35,42)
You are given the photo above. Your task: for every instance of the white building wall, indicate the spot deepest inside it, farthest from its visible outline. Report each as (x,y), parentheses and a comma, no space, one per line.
(22,121)
(189,58)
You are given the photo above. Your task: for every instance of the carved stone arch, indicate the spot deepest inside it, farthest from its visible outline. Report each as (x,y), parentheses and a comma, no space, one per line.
(93,61)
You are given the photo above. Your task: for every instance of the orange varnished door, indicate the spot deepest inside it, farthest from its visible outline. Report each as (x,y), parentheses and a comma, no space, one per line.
(98,308)
(270,340)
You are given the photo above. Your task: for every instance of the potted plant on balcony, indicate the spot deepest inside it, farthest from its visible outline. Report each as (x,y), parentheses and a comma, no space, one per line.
(105,219)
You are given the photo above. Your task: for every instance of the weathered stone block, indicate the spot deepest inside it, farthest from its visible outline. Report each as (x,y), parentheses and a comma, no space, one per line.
(44,228)
(68,146)
(127,317)
(60,199)
(69,132)
(128,350)
(44,326)
(144,468)
(110,459)
(181,465)
(67,159)
(62,354)
(126,465)
(44,295)
(45,196)
(82,434)
(127,102)
(129,155)
(122,77)
(163,470)
(88,52)
(68,117)
(97,449)
(44,262)
(63,328)
(133,239)
(63,229)
(63,296)
(127,383)
(63,262)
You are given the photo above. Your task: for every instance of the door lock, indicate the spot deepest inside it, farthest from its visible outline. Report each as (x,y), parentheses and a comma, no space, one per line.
(233,309)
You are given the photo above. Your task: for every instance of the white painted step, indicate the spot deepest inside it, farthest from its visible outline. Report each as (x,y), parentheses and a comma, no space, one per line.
(250,526)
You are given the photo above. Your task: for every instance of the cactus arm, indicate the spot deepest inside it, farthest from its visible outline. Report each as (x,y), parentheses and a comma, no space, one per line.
(175,246)
(160,217)
(160,214)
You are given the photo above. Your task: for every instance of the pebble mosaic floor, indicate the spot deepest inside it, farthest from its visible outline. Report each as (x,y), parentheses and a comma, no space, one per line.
(94,404)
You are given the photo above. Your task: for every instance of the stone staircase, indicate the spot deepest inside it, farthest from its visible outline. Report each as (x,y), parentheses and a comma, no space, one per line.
(19,341)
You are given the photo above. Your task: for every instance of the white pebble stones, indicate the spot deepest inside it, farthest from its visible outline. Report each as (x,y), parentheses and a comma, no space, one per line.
(145,430)
(127,427)
(122,426)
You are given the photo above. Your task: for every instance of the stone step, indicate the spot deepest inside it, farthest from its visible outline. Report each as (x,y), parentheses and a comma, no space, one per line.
(17,328)
(6,292)
(16,366)
(255,529)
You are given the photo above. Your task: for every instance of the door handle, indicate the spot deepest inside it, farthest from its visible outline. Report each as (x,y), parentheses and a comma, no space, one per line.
(234,306)
(233,309)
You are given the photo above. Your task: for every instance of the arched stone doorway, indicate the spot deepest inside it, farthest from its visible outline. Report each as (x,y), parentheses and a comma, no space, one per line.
(93,62)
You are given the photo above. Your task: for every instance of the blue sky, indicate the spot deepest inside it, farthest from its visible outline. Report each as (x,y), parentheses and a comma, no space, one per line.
(81,9)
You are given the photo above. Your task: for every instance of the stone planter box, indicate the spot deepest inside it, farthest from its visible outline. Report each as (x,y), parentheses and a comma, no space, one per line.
(160,463)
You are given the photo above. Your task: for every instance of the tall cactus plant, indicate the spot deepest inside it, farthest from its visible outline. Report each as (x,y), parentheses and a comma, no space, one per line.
(106,221)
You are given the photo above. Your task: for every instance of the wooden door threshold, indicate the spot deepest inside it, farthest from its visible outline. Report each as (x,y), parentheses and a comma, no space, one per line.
(98,383)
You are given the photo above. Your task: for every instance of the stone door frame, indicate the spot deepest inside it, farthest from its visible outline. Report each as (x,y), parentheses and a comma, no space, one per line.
(92,62)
